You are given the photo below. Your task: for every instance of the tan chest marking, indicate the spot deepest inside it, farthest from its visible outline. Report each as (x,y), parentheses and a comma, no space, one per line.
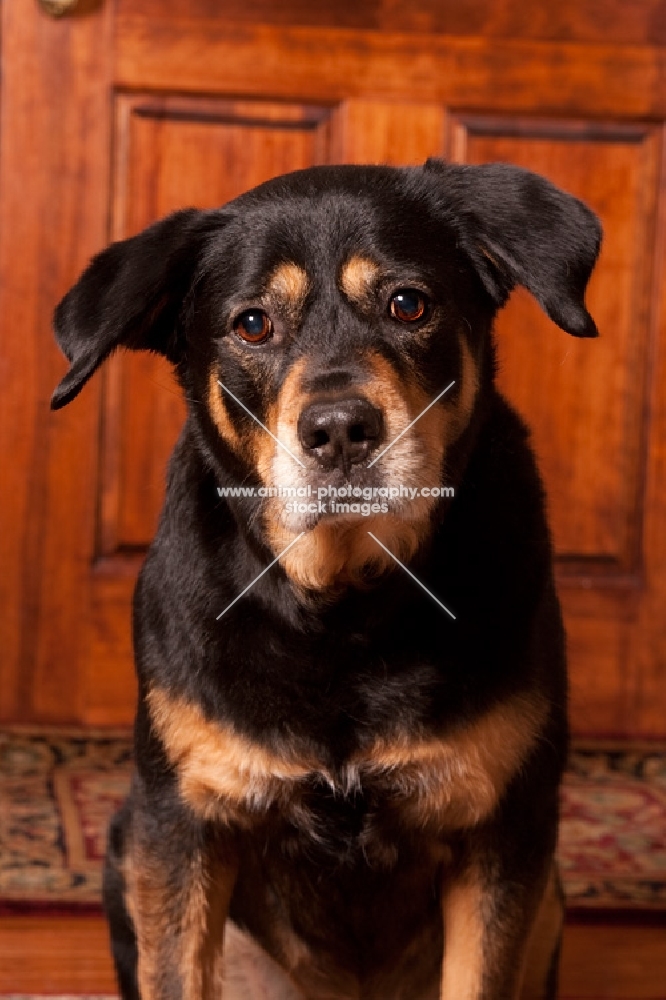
(358,277)
(451,783)
(222,775)
(457,782)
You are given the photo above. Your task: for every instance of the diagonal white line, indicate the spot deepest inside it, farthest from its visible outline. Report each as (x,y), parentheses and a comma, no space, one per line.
(292,542)
(414,578)
(277,440)
(377,457)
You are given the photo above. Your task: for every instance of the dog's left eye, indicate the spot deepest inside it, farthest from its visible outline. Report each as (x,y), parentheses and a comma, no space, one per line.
(408,305)
(253,326)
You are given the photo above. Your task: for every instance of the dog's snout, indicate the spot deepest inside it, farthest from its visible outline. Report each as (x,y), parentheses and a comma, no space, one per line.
(341,432)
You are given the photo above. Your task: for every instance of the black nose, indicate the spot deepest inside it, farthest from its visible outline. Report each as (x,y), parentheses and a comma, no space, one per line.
(340,432)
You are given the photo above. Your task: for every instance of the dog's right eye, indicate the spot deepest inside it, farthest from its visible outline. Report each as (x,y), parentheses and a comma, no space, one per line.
(408,305)
(253,326)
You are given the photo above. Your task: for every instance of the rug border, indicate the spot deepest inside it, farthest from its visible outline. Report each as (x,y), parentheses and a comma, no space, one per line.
(575,907)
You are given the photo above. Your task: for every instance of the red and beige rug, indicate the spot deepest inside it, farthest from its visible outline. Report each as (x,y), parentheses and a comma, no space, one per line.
(58,790)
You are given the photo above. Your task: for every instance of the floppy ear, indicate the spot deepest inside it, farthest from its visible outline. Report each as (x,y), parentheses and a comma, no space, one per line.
(519,229)
(130,295)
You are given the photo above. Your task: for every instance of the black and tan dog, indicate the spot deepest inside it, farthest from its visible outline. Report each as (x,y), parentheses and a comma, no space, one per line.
(360,787)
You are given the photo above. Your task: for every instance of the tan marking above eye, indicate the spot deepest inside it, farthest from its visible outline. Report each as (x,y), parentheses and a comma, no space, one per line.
(358,277)
(289,284)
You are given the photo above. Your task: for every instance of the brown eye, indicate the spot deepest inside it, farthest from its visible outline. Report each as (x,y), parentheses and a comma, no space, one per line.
(408,305)
(253,326)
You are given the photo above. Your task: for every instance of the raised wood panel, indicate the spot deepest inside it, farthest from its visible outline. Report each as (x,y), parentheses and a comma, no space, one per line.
(171,153)
(201,151)
(585,400)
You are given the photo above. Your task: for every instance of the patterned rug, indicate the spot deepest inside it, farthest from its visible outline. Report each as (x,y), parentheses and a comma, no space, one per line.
(58,790)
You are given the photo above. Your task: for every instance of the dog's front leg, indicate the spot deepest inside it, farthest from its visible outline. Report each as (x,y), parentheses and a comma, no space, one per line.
(488,920)
(179,876)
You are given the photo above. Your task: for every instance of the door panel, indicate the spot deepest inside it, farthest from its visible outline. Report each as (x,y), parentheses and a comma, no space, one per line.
(592,454)
(173,153)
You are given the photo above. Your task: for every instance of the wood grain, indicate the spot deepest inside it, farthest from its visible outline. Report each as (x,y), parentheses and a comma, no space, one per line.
(174,152)
(641,22)
(584,400)
(376,131)
(53,185)
(71,954)
(513,75)
(55,955)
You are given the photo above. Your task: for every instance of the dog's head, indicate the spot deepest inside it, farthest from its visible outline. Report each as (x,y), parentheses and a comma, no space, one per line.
(315,323)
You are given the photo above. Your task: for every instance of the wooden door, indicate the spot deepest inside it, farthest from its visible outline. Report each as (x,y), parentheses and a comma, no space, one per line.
(126,109)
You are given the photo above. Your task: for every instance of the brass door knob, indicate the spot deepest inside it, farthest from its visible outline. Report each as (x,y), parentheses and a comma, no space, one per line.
(57,8)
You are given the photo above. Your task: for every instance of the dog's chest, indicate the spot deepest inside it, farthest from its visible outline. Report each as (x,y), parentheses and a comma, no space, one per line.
(450,781)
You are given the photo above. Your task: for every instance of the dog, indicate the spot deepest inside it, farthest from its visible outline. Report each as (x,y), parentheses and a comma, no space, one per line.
(352,715)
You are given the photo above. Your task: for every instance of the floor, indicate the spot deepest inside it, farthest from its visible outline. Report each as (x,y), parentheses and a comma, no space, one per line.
(622,961)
